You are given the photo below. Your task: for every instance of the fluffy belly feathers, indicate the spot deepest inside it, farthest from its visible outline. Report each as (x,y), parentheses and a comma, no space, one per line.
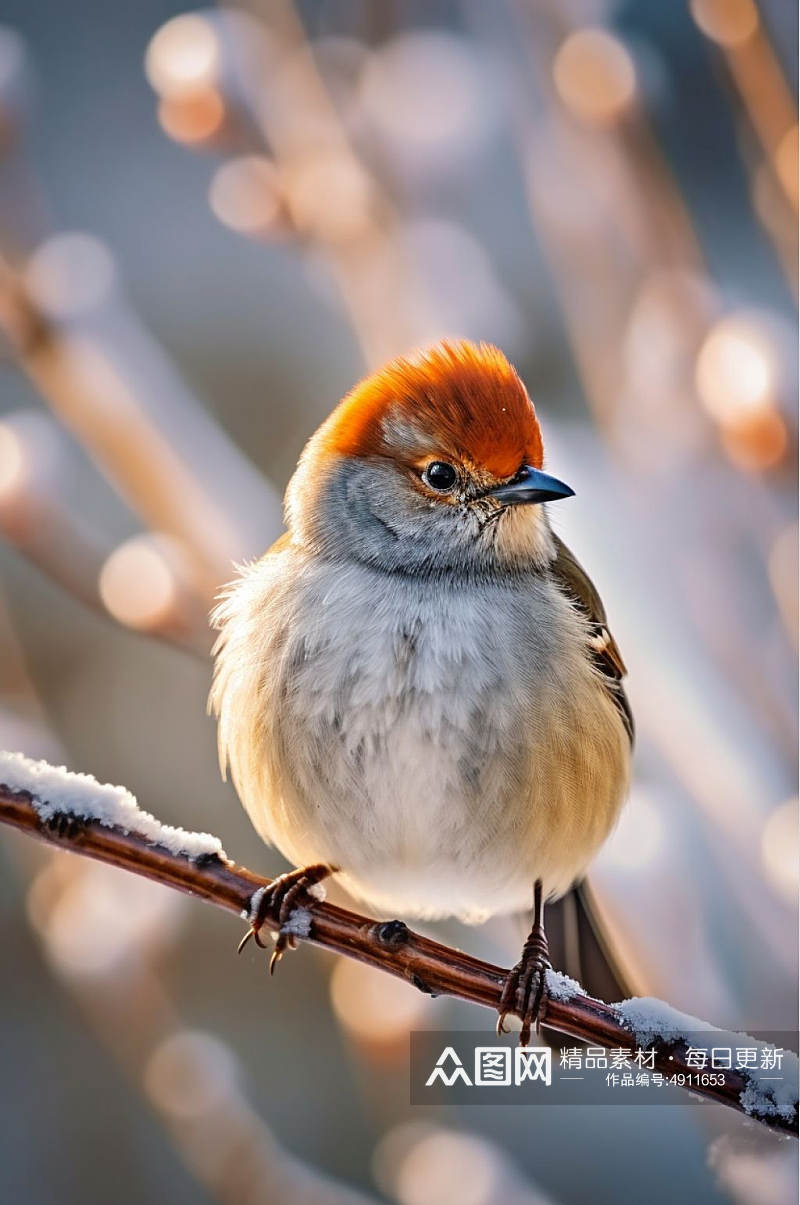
(436,750)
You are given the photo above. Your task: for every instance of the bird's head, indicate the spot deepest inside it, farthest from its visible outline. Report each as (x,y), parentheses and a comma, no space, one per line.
(433,463)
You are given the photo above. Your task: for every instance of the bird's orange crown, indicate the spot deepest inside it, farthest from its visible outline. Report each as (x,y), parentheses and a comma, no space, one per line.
(465,397)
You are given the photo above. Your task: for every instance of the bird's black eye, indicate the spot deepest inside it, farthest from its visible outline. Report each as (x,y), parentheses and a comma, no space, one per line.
(440,476)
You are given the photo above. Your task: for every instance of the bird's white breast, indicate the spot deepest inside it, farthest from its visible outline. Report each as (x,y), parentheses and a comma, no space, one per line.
(443,744)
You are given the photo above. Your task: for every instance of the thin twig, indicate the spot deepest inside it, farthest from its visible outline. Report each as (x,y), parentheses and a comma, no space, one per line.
(388,946)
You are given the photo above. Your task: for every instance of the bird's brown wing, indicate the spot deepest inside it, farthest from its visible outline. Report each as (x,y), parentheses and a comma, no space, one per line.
(283,541)
(575,582)
(578,940)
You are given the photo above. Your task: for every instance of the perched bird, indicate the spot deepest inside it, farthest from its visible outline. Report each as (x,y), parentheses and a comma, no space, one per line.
(416,686)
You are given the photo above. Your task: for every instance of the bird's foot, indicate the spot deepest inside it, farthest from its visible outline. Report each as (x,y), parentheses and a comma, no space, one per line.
(525,988)
(278,900)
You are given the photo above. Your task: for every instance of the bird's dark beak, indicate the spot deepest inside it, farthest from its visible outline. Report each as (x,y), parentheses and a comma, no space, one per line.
(531,485)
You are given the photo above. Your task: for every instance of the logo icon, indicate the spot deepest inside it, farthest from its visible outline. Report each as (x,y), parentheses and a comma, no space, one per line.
(494,1067)
(457,1072)
(533,1063)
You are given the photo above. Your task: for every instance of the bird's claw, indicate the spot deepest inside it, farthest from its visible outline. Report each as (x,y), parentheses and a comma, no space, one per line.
(284,941)
(525,993)
(277,901)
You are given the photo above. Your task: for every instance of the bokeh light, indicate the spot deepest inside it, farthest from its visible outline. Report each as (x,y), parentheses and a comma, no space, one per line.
(375,1009)
(138,583)
(13,463)
(594,76)
(70,275)
(191,1075)
(780,852)
(756,442)
(92,919)
(735,373)
(31,455)
(740,375)
(730,23)
(328,196)
(424,93)
(431,1165)
(245,194)
(193,119)
(753,1172)
(183,56)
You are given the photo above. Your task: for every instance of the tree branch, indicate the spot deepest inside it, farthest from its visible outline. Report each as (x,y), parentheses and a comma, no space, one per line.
(392,947)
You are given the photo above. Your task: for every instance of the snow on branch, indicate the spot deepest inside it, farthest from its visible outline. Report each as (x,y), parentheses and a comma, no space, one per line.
(104,822)
(58,792)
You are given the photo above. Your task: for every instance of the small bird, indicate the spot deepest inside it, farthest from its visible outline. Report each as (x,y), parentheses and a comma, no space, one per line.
(416,686)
